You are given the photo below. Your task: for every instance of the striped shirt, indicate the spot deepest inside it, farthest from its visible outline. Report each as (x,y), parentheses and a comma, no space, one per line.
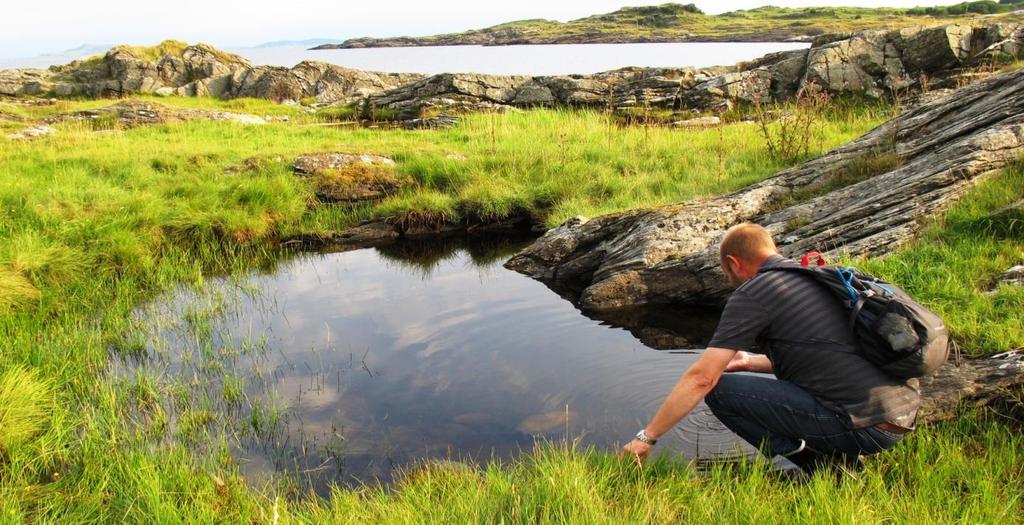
(804,331)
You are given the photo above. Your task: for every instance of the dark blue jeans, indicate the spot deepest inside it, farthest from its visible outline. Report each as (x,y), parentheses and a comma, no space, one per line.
(775,415)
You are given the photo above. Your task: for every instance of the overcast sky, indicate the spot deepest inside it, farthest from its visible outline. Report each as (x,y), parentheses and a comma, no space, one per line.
(34,27)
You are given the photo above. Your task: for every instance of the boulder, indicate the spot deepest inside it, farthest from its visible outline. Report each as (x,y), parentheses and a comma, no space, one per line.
(933,153)
(997,41)
(699,122)
(856,64)
(938,48)
(459,92)
(319,163)
(1013,277)
(348,178)
(748,86)
(16,82)
(32,133)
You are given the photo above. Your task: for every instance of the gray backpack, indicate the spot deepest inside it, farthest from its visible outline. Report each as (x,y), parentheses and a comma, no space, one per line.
(896,333)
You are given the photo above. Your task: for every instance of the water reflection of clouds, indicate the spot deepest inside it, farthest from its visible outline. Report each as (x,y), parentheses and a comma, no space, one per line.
(363,343)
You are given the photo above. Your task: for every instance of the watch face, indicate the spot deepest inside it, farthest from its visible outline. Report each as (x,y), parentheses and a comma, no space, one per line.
(642,436)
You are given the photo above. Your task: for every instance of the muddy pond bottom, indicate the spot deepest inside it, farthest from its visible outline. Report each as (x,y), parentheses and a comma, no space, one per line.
(349,367)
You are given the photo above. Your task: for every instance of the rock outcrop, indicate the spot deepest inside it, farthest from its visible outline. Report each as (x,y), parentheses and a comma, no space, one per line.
(983,381)
(197,70)
(875,63)
(349,178)
(628,87)
(131,114)
(929,156)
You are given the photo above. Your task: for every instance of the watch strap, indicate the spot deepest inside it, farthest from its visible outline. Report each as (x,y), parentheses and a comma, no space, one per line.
(642,436)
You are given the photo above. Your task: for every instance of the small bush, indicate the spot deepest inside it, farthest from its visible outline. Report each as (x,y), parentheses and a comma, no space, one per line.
(788,130)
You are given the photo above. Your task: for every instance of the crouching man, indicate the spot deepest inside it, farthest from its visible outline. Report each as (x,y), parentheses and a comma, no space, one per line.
(828,404)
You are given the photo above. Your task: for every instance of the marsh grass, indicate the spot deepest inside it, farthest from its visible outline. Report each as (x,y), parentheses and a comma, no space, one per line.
(92,225)
(25,404)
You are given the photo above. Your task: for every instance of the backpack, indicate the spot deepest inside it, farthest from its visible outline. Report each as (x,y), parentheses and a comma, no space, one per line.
(894,332)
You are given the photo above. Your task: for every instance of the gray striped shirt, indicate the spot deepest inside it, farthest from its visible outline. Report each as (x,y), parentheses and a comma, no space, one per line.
(804,331)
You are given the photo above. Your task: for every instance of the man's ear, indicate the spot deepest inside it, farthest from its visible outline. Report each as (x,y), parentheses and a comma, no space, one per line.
(733,262)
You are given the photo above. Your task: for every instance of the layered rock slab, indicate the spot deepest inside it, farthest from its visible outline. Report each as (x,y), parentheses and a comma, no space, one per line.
(669,254)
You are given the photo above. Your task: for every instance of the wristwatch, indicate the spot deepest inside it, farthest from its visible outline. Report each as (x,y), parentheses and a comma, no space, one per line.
(642,436)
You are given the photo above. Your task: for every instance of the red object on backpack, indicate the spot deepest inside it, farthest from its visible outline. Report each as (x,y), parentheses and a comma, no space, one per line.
(809,256)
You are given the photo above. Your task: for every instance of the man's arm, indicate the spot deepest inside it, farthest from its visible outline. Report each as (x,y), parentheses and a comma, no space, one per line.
(696,382)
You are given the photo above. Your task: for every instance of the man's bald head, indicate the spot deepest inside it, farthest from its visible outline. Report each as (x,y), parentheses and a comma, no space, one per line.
(744,247)
(747,241)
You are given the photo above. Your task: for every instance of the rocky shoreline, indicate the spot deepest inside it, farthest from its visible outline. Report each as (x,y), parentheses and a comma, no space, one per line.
(875,63)
(492,40)
(672,23)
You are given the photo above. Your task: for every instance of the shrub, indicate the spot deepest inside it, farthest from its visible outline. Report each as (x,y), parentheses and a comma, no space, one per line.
(788,129)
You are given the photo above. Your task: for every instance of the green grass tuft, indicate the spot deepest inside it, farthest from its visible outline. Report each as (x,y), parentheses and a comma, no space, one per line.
(26,400)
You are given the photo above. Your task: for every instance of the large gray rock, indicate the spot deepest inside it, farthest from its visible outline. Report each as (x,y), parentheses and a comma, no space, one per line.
(17,82)
(875,63)
(747,86)
(864,63)
(937,49)
(669,254)
(1000,41)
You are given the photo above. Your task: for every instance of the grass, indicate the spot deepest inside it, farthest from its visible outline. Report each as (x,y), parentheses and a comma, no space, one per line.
(92,225)
(977,459)
(25,404)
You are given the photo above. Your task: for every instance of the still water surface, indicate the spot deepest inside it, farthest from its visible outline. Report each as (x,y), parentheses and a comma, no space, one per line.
(376,359)
(556,59)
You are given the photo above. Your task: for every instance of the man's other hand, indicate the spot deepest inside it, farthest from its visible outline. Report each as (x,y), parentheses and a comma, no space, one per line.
(636,450)
(739,362)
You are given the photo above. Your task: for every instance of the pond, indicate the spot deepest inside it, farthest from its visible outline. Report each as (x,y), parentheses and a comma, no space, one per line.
(346,367)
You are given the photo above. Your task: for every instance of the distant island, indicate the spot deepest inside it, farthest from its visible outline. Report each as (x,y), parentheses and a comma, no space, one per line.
(687,23)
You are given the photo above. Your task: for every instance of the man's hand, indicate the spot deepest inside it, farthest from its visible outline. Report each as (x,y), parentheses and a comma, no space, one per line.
(636,450)
(739,362)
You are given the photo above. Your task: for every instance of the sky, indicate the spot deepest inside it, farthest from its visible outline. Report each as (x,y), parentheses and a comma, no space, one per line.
(36,27)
